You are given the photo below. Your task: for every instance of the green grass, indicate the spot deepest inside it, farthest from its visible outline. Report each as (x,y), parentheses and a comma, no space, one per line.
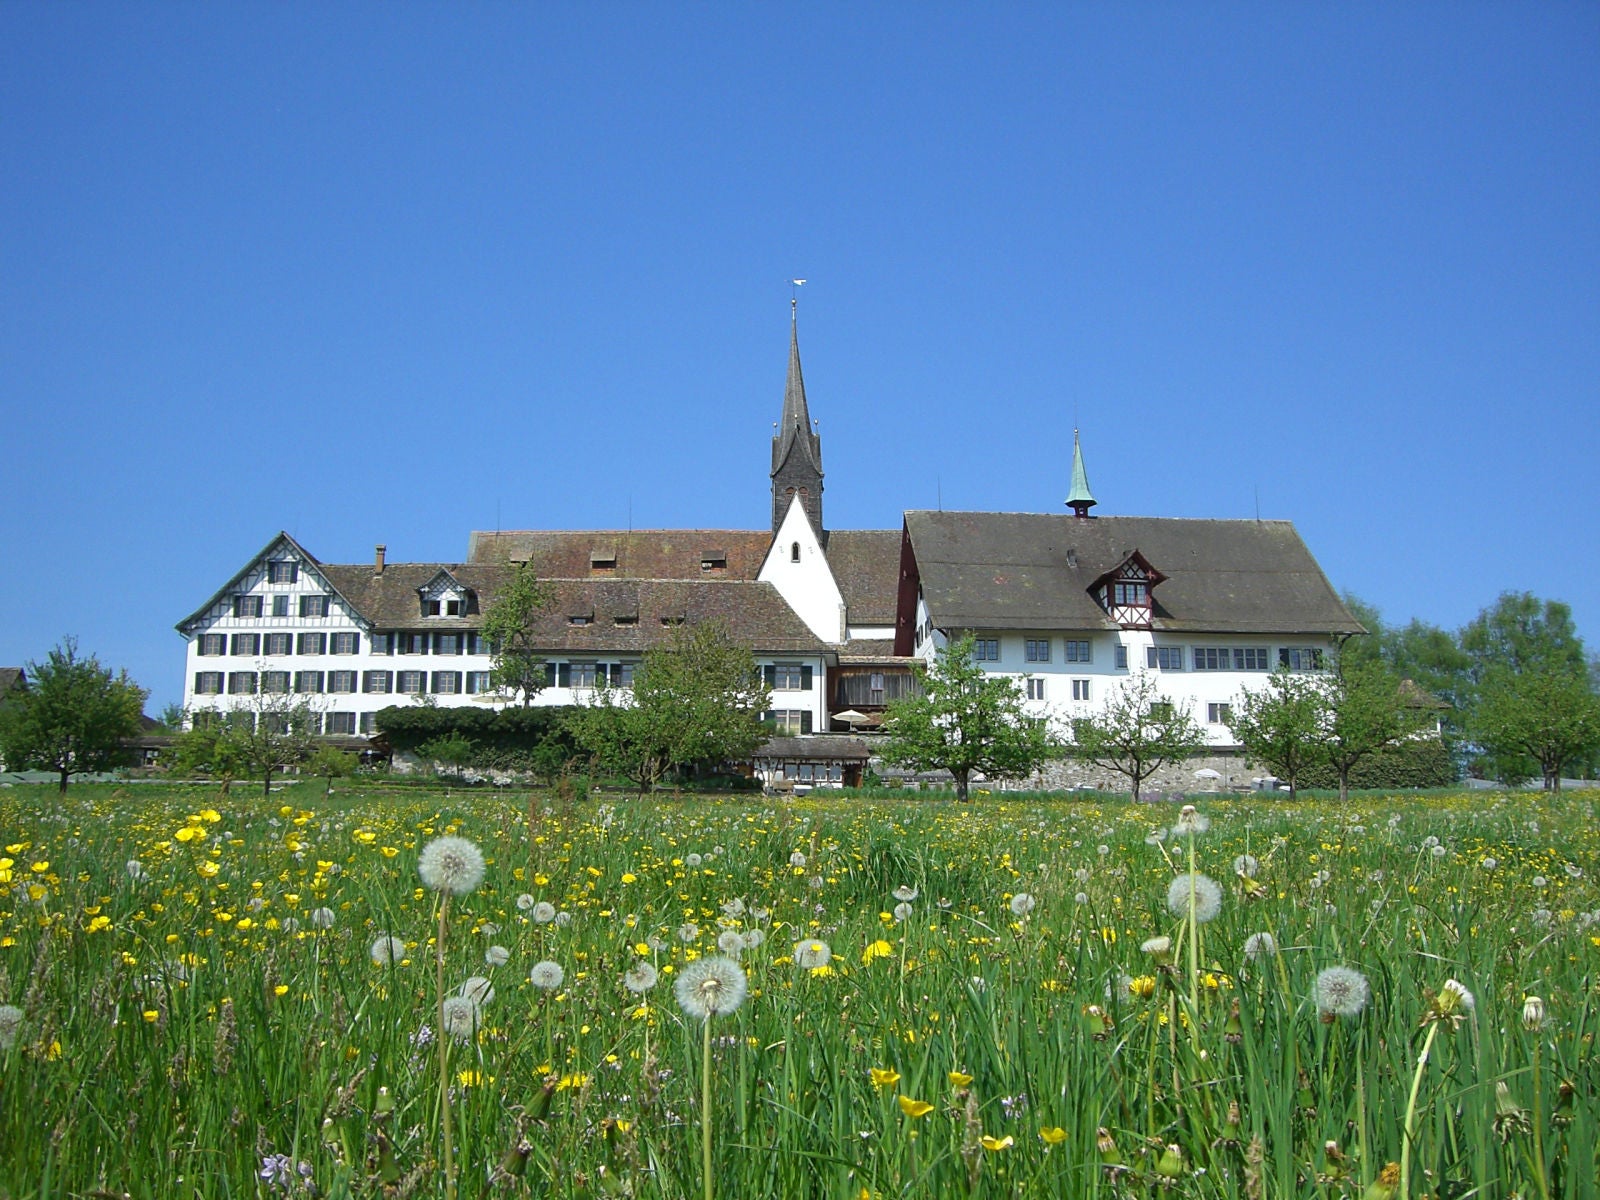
(178,1029)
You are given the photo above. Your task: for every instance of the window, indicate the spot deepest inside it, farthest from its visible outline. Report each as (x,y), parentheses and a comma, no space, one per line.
(369,722)
(789,722)
(411,643)
(1300,658)
(713,560)
(277,644)
(1120,657)
(383,643)
(1036,650)
(1219,714)
(280,606)
(673,620)
(1077,651)
(447,643)
(1212,658)
(1035,688)
(241,683)
(986,650)
(1130,594)
(411,683)
(875,687)
(478,682)
(452,608)
(1166,658)
(276,682)
(341,723)
(1080,689)
(247,606)
(341,681)
(282,572)
(313,606)
(313,643)
(603,560)
(788,677)
(377,682)
(347,643)
(211,644)
(579,620)
(430,608)
(307,682)
(447,683)
(208,683)
(1250,658)
(1161,710)
(581,675)
(247,643)
(626,619)
(622,674)
(794,552)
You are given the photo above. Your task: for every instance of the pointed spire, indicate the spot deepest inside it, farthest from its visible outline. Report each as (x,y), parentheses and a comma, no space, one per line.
(795,424)
(1080,499)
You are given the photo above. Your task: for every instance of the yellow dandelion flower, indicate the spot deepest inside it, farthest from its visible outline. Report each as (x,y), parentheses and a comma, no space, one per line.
(151,1015)
(877,949)
(629,877)
(1052,1135)
(994,1145)
(885,1076)
(915,1109)
(959,1079)
(208,869)
(189,833)
(1143,986)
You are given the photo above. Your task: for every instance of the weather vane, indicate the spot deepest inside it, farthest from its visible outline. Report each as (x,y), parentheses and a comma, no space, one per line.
(794,291)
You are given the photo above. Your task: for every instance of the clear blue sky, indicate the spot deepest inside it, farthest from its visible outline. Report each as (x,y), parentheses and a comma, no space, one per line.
(393,272)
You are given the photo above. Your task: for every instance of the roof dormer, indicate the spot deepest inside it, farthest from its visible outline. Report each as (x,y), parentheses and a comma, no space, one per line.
(445,596)
(1125,591)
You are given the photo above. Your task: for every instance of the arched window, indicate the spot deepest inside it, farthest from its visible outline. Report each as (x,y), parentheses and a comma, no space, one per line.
(794,551)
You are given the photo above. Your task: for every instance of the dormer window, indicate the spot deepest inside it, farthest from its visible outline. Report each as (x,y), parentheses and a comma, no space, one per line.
(579,619)
(603,560)
(1125,592)
(282,572)
(713,560)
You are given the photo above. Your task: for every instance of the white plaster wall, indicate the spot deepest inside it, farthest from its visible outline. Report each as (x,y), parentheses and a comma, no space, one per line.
(807,586)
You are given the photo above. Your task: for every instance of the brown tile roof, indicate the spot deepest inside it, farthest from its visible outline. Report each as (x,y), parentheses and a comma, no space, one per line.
(815,747)
(866,564)
(639,553)
(986,570)
(10,677)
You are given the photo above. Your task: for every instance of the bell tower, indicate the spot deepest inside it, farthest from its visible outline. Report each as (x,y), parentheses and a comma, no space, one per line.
(796,446)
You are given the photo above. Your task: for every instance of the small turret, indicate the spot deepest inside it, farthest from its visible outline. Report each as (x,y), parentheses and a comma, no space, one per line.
(1080,499)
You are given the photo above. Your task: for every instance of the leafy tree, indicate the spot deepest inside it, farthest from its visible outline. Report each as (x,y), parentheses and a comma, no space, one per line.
(270,731)
(452,750)
(71,718)
(1368,709)
(330,763)
(1284,725)
(1549,714)
(519,660)
(965,721)
(696,700)
(1135,734)
(209,747)
(172,718)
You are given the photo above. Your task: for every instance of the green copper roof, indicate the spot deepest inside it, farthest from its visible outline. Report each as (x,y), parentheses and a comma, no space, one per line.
(1080,493)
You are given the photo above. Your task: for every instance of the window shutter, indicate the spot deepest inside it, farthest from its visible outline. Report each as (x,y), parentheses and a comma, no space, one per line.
(564,675)
(805,718)
(1150,656)
(770,674)
(549,674)
(805,678)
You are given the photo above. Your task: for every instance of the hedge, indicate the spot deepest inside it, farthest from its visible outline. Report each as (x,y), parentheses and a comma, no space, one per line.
(1419,764)
(507,739)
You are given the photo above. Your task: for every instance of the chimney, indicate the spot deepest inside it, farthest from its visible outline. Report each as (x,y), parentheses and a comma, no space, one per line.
(377,562)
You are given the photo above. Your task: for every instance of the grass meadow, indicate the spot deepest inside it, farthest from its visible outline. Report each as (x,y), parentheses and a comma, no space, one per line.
(202,1000)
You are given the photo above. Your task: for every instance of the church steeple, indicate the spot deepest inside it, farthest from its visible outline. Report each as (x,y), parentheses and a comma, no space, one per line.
(1080,499)
(796,447)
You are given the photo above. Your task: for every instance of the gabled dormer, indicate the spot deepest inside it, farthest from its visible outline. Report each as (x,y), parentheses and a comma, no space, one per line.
(445,596)
(1125,591)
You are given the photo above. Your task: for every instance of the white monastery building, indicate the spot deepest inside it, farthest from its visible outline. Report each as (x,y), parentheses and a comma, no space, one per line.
(1070,604)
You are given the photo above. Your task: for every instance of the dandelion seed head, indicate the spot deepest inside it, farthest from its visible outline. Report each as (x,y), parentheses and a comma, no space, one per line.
(451,864)
(640,978)
(1533,1014)
(497,956)
(322,918)
(1081,898)
(797,859)
(525,902)
(1157,945)
(812,953)
(1260,945)
(1455,998)
(1191,822)
(1246,865)
(733,908)
(386,951)
(688,932)
(458,1018)
(710,987)
(905,893)
(1022,904)
(1342,992)
(903,911)
(1207,897)
(477,989)
(730,942)
(1489,862)
(544,912)
(753,938)
(692,860)
(547,976)
(1438,851)
(1539,881)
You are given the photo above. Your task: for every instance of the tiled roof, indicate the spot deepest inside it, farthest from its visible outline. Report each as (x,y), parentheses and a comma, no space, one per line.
(817,747)
(638,553)
(986,570)
(10,677)
(866,564)
(753,613)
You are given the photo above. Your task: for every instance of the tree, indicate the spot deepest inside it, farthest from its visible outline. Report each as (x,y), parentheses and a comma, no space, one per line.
(1549,714)
(696,700)
(519,661)
(1134,734)
(72,717)
(208,747)
(330,763)
(1368,709)
(1284,725)
(966,721)
(258,738)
